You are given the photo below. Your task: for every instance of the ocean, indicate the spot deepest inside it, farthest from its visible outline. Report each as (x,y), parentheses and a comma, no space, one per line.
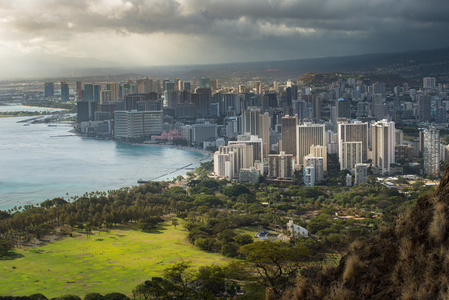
(43,161)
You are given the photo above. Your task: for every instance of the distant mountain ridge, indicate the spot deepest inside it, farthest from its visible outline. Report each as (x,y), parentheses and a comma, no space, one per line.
(410,64)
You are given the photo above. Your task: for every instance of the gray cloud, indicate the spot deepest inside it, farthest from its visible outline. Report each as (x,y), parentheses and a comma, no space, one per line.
(235,30)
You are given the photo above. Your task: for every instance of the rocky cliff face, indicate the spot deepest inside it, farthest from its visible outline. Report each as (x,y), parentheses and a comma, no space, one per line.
(408,261)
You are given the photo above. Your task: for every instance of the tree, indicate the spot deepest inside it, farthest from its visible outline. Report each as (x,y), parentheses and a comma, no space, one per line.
(174,222)
(142,291)
(276,264)
(150,223)
(115,296)
(93,296)
(243,239)
(5,246)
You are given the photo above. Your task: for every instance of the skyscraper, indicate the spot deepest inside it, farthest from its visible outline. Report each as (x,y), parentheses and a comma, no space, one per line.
(306,136)
(288,131)
(343,108)
(64,91)
(96,92)
(258,124)
(429,82)
(383,145)
(88,92)
(432,151)
(353,132)
(113,87)
(424,106)
(49,89)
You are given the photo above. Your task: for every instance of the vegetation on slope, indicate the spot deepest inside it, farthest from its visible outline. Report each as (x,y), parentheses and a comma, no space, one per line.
(409,260)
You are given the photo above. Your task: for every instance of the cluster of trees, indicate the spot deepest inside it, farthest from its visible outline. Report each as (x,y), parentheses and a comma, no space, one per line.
(212,210)
(90,296)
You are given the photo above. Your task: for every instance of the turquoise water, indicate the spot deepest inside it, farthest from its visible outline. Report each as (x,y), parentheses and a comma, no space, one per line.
(39,162)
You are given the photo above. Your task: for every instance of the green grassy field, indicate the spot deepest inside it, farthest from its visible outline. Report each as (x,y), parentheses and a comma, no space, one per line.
(110,262)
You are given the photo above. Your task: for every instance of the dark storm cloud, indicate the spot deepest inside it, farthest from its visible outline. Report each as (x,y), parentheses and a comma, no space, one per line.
(296,28)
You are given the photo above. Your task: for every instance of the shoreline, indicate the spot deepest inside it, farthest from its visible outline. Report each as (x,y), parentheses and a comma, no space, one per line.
(185,148)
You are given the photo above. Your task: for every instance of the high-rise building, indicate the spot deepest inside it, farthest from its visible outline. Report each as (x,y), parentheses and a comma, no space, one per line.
(49,89)
(113,87)
(353,132)
(300,109)
(281,165)
(306,136)
(320,151)
(361,173)
(88,92)
(137,124)
(288,132)
(253,140)
(316,107)
(240,156)
(96,92)
(424,107)
(432,151)
(309,175)
(383,145)
(258,124)
(343,108)
(204,101)
(317,164)
(429,82)
(79,90)
(350,154)
(64,92)
(230,104)
(105,96)
(204,83)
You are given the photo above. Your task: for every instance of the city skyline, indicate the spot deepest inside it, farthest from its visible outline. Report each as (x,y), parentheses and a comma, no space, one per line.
(66,34)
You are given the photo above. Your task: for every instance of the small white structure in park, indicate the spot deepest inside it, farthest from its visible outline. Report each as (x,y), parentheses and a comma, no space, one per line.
(296,230)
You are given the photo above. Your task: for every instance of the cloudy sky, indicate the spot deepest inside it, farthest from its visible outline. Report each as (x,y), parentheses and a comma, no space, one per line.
(39,33)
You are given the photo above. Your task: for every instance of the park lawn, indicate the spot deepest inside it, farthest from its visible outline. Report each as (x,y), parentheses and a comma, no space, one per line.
(251,230)
(111,262)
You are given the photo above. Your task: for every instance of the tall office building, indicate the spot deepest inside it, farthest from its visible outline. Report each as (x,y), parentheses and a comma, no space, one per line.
(429,82)
(96,92)
(64,91)
(258,124)
(353,132)
(300,109)
(313,170)
(281,165)
(316,107)
(350,154)
(361,173)
(230,104)
(79,90)
(432,151)
(204,83)
(88,92)
(137,124)
(240,157)
(424,108)
(253,140)
(113,87)
(105,96)
(306,136)
(343,107)
(288,132)
(49,89)
(383,145)
(204,100)
(320,151)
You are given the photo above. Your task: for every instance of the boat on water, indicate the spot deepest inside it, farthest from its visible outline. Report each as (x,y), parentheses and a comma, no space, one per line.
(142,181)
